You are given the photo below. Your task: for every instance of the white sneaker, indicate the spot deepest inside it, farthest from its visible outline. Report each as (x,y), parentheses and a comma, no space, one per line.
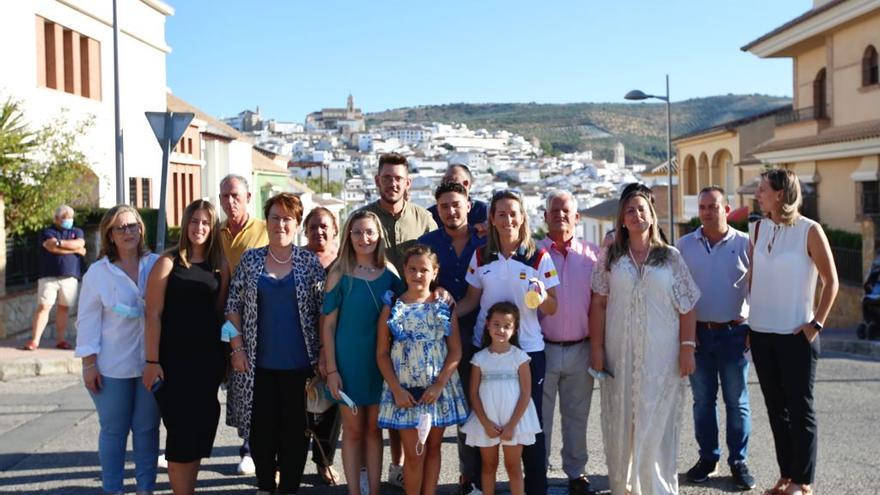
(364,482)
(246,466)
(475,490)
(162,462)
(395,475)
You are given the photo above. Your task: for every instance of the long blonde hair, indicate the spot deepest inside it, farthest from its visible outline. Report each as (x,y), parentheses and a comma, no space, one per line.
(493,243)
(108,249)
(346,260)
(183,251)
(659,251)
(783,179)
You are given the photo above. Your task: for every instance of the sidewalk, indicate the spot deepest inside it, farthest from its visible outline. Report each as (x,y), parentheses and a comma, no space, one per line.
(47,360)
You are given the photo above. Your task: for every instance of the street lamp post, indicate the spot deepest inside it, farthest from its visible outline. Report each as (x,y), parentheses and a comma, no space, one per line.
(638,95)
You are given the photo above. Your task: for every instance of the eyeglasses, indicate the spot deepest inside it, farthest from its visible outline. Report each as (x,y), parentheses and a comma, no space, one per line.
(282,220)
(370,233)
(129,228)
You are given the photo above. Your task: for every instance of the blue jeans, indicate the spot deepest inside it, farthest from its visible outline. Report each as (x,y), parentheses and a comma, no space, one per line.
(720,357)
(124,405)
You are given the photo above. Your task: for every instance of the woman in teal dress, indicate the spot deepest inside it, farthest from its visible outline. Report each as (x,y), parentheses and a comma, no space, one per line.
(352,302)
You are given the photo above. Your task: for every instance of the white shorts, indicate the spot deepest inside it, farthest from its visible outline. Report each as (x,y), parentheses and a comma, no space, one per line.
(49,288)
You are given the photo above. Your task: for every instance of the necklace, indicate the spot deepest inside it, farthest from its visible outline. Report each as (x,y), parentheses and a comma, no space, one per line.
(281,262)
(368,269)
(633,256)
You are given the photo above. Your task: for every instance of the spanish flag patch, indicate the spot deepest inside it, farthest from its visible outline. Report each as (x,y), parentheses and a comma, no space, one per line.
(522,275)
(551,273)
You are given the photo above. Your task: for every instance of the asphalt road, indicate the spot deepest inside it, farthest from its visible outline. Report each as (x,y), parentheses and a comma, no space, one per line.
(48,441)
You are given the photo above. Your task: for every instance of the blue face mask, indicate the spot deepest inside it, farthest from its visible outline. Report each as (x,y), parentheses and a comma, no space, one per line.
(127,311)
(67,223)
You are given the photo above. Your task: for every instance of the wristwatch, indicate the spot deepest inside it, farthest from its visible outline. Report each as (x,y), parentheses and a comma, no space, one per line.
(58,242)
(816,325)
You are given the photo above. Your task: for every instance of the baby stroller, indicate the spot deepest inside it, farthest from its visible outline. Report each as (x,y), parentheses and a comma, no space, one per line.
(870,327)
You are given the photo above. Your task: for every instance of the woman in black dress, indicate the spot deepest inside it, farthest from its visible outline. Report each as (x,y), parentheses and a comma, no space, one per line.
(184,354)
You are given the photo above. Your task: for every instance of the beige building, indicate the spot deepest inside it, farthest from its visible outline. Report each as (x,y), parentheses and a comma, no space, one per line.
(722,155)
(831,136)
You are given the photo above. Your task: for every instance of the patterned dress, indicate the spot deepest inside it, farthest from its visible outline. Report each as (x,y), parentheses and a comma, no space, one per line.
(641,405)
(418,353)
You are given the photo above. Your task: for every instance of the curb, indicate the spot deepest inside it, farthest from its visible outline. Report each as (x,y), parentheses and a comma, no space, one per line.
(26,368)
(865,348)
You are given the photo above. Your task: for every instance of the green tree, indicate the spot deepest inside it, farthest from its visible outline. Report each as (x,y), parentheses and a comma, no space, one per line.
(332,187)
(40,169)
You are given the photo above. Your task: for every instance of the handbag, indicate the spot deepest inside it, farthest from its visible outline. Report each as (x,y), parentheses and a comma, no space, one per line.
(316,396)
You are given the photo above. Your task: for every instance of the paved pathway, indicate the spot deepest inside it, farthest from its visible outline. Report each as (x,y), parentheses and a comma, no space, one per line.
(48,438)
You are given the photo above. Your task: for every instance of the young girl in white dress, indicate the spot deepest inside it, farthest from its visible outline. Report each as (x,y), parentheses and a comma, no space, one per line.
(502,409)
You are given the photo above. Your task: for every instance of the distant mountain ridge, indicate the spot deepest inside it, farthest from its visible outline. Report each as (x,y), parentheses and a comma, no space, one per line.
(566,127)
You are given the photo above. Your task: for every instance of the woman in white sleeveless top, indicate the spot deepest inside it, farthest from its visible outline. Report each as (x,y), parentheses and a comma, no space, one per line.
(788,253)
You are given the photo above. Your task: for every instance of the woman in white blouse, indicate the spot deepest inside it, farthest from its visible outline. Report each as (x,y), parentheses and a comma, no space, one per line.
(110,337)
(789,252)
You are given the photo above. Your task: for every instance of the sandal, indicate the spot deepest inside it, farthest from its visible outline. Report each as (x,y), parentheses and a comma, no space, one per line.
(30,346)
(328,475)
(796,489)
(63,344)
(780,488)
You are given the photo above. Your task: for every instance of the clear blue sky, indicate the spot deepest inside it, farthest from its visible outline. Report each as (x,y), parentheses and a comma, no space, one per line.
(292,57)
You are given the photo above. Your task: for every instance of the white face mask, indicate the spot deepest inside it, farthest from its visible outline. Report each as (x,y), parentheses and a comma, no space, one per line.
(348,402)
(424,430)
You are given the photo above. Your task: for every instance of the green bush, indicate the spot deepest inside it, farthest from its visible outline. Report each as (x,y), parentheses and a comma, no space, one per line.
(842,238)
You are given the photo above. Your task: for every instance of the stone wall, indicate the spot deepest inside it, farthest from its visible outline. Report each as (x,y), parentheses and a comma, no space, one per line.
(847,309)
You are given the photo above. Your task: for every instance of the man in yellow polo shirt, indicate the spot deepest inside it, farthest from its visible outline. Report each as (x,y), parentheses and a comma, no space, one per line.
(240,231)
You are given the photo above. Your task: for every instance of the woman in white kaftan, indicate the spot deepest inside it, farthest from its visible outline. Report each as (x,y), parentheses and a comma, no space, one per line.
(646,329)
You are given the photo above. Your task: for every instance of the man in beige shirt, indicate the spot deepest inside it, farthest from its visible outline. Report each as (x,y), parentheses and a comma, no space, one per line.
(240,231)
(402,221)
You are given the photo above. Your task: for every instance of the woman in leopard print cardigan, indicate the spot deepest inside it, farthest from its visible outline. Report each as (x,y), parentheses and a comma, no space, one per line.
(261,273)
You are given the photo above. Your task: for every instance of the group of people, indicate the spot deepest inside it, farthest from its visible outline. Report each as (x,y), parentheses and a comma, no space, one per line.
(415,328)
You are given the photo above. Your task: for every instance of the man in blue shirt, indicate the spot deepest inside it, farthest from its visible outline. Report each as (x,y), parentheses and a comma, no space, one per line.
(479,211)
(455,242)
(718,259)
(60,266)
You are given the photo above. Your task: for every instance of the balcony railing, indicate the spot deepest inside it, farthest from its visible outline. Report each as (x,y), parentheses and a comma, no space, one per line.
(849,264)
(802,115)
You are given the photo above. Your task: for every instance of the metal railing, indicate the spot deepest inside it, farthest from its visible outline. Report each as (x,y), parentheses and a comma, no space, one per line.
(21,260)
(802,115)
(849,265)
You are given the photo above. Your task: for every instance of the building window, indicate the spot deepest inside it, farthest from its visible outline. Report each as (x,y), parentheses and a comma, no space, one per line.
(139,190)
(820,100)
(67,60)
(870,198)
(870,68)
(810,204)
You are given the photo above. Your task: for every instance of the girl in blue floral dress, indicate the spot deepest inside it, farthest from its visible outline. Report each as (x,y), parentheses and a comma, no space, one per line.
(418,349)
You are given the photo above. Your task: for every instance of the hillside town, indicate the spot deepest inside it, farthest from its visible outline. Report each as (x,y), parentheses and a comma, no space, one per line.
(335,146)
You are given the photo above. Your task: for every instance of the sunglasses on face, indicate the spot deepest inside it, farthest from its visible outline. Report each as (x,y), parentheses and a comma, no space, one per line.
(129,228)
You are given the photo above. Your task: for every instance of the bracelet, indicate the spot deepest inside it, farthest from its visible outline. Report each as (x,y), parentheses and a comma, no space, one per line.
(689,343)
(237,349)
(150,361)
(88,366)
